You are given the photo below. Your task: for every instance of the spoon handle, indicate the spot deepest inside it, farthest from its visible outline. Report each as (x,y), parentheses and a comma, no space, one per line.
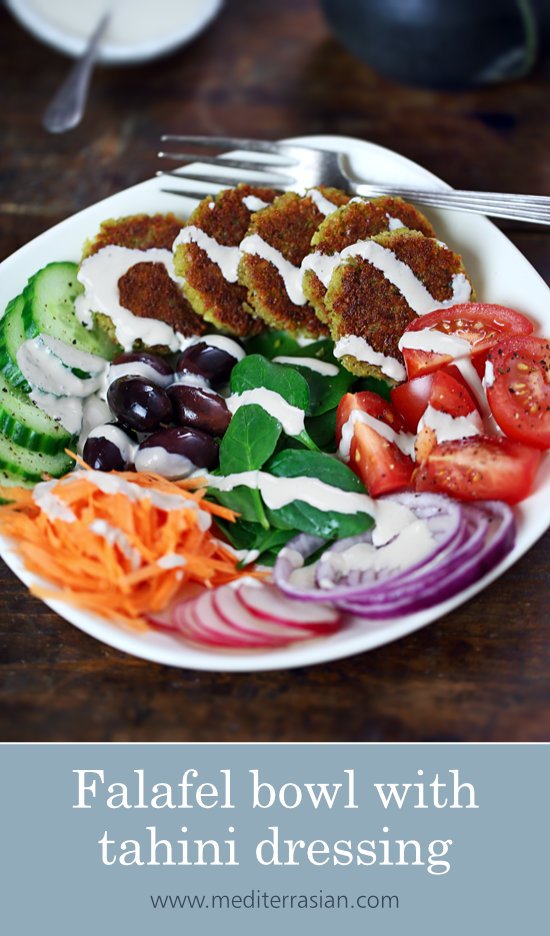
(67,107)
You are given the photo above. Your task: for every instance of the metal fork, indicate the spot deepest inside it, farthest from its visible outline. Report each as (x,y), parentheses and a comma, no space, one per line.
(297,168)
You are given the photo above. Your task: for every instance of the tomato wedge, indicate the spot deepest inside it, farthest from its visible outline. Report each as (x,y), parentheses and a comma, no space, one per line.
(445,390)
(519,396)
(483,468)
(382,467)
(378,446)
(476,324)
(369,403)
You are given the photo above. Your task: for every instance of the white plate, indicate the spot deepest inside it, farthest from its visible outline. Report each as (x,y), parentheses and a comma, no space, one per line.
(67,26)
(500,273)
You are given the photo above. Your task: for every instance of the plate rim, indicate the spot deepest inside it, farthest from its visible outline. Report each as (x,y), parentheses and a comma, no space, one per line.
(166,650)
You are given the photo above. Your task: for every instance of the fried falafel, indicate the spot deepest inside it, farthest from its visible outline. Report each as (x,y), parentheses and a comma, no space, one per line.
(383,284)
(206,255)
(356,221)
(277,241)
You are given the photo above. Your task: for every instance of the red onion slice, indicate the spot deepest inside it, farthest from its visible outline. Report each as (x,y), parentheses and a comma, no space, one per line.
(468,547)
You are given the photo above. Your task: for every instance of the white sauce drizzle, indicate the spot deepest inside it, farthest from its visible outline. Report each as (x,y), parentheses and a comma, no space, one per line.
(390,517)
(321,367)
(323,265)
(290,417)
(360,349)
(100,273)
(402,277)
(489,377)
(225,257)
(394,223)
(403,440)
(253,203)
(118,438)
(49,503)
(290,274)
(45,371)
(224,343)
(171,561)
(116,537)
(395,271)
(95,413)
(114,484)
(65,410)
(410,545)
(323,204)
(448,428)
(72,357)
(138,369)
(429,339)
(168,464)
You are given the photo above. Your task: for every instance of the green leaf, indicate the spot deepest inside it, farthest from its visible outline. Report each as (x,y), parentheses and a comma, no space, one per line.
(246,535)
(243,500)
(256,371)
(322,429)
(249,441)
(272,343)
(298,515)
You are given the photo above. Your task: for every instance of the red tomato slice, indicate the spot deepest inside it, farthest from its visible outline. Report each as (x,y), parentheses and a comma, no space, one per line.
(445,390)
(382,467)
(480,469)
(520,395)
(378,461)
(369,403)
(480,324)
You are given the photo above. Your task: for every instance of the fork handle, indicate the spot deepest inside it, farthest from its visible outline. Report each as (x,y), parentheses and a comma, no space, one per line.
(533,208)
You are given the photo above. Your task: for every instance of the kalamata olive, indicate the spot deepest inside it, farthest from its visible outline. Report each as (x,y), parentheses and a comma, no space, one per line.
(176,453)
(214,360)
(109,448)
(142,364)
(199,409)
(155,361)
(139,403)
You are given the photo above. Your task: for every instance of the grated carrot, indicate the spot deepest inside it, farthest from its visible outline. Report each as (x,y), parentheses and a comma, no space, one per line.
(116,572)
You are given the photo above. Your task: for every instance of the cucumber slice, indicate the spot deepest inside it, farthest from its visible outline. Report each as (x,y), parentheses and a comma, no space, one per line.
(26,424)
(49,309)
(19,462)
(12,336)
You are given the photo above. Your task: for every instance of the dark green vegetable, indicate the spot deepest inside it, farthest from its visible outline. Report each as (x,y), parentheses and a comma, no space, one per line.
(301,516)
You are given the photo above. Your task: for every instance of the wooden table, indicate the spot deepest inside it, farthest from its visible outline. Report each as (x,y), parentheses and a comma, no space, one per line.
(479,674)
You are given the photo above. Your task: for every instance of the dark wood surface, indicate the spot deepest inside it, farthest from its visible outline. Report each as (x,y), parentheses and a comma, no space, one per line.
(272,70)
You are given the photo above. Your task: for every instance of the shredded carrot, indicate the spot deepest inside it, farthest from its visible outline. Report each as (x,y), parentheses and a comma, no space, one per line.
(104,554)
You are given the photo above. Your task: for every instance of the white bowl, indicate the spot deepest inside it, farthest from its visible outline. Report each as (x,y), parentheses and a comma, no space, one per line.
(138,32)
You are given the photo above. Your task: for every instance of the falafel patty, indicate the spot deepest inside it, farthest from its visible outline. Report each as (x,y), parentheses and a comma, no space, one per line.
(206,255)
(358,220)
(380,286)
(278,239)
(146,289)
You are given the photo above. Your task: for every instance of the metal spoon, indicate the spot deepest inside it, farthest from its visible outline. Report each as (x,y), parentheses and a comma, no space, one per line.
(67,107)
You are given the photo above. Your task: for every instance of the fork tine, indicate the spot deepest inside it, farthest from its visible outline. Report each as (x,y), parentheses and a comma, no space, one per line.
(269,178)
(258,146)
(227,163)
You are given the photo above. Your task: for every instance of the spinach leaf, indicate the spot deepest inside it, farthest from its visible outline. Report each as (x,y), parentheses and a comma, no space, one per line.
(246,535)
(249,441)
(322,430)
(255,371)
(329,524)
(271,343)
(245,501)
